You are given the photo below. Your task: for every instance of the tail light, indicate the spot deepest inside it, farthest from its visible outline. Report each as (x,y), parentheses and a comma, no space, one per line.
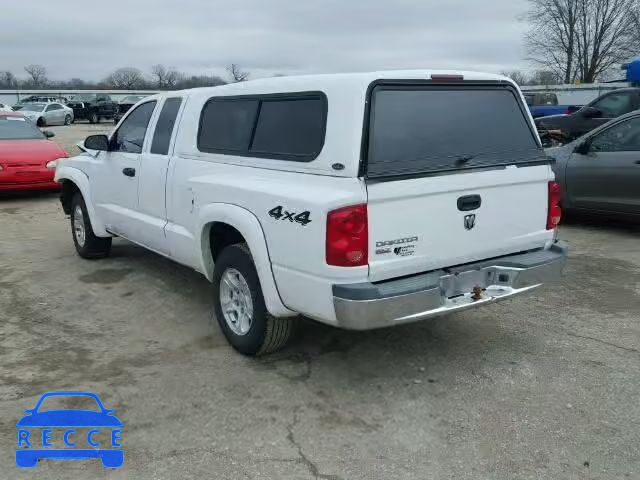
(554,212)
(347,237)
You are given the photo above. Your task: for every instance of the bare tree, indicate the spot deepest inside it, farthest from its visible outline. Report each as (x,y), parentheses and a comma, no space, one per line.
(606,35)
(236,74)
(517,76)
(8,80)
(38,74)
(126,78)
(165,78)
(581,39)
(545,77)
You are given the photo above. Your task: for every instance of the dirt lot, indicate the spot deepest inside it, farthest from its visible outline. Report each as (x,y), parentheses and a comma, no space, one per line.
(68,136)
(544,386)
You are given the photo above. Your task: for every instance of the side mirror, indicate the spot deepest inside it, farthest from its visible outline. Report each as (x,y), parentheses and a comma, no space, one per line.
(591,112)
(48,134)
(97,142)
(583,147)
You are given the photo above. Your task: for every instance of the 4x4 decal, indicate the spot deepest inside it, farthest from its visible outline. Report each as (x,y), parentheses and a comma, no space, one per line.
(279,213)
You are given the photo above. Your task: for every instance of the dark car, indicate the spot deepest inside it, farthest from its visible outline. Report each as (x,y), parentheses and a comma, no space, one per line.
(93,107)
(600,111)
(125,105)
(600,171)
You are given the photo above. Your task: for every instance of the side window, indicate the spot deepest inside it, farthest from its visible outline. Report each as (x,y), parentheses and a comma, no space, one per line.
(290,128)
(50,108)
(226,125)
(164,126)
(278,126)
(615,105)
(622,137)
(130,136)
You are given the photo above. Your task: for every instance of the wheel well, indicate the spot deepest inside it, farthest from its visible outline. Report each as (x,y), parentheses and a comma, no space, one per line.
(69,189)
(222,235)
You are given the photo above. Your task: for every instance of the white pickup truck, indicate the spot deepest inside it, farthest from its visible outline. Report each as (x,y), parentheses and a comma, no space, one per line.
(359,200)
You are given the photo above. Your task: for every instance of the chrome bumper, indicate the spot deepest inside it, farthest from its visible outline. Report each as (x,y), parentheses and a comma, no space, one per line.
(365,306)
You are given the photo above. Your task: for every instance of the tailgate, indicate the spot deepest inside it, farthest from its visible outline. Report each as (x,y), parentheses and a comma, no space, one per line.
(454,174)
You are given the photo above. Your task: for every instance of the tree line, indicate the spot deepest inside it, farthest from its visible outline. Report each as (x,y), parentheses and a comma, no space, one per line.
(160,77)
(582,40)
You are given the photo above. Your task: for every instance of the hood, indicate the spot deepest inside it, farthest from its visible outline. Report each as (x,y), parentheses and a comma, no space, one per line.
(29,152)
(69,418)
(553,122)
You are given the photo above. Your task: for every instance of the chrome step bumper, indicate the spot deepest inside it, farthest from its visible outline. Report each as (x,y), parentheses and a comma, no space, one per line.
(364,306)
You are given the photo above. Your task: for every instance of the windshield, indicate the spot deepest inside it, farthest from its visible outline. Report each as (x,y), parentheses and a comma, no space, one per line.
(18,128)
(434,129)
(31,107)
(133,98)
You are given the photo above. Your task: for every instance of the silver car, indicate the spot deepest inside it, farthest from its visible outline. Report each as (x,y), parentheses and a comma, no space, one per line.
(45,114)
(600,171)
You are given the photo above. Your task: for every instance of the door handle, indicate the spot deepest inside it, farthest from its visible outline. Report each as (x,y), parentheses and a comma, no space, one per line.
(469,202)
(637,162)
(129,172)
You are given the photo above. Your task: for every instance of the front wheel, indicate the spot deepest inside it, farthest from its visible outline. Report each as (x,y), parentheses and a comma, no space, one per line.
(67,120)
(87,244)
(239,305)
(93,118)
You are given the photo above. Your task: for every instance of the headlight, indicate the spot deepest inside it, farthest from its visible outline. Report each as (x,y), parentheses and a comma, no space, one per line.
(52,164)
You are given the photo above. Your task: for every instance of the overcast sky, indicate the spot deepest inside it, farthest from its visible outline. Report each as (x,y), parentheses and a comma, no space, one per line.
(86,39)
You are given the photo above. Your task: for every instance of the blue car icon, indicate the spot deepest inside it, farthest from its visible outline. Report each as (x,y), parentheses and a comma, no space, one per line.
(69,418)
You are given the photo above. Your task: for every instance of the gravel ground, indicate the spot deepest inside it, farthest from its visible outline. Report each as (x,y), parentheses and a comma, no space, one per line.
(68,136)
(544,386)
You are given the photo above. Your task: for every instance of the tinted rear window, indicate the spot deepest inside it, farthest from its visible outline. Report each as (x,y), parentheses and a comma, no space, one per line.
(279,126)
(433,129)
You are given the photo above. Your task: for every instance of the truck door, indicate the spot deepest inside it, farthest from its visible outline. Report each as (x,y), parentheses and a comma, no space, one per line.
(154,162)
(115,188)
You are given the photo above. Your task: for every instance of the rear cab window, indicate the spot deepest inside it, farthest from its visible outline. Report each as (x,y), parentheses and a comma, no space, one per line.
(164,126)
(274,126)
(421,129)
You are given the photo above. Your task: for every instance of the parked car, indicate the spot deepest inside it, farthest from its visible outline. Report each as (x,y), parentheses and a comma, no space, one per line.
(5,108)
(542,104)
(46,114)
(278,195)
(27,158)
(42,99)
(93,107)
(600,171)
(125,104)
(566,128)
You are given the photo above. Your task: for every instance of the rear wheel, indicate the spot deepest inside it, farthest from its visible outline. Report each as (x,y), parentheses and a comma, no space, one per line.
(88,245)
(239,305)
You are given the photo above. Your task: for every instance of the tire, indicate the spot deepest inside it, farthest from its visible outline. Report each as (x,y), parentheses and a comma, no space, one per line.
(67,120)
(93,117)
(86,243)
(265,333)
(41,122)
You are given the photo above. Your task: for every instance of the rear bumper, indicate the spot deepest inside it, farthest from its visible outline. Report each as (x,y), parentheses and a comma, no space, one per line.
(364,306)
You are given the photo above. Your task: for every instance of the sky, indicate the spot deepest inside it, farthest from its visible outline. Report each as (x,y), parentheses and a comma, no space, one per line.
(89,39)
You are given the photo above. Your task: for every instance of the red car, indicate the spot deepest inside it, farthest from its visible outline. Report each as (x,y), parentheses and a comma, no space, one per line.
(27,156)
